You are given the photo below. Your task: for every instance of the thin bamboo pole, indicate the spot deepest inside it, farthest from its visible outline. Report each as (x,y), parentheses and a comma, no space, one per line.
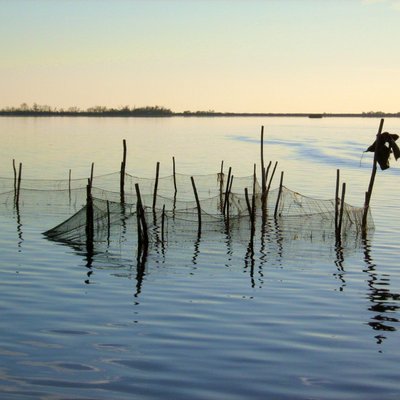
(337,200)
(91,175)
(108,222)
(143,223)
(156,186)
(122,174)
(279,196)
(227,188)
(197,202)
(19,184)
(15,178)
(89,217)
(174,174)
(272,176)
(372,178)
(339,231)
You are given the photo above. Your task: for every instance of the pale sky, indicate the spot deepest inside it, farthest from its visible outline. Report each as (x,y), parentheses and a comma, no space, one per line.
(237,56)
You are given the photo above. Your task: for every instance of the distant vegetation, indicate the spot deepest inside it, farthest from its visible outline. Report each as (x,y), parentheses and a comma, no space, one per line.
(44,110)
(157,111)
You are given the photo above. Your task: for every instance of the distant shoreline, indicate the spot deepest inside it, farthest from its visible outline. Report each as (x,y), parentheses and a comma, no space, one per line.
(199,114)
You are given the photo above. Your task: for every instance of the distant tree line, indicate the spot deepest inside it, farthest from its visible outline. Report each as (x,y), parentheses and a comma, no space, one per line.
(156,111)
(45,110)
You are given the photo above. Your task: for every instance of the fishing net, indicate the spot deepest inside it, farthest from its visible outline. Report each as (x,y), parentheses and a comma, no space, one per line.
(173,216)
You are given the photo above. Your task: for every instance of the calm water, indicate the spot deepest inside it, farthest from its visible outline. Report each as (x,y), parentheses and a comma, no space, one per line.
(302,319)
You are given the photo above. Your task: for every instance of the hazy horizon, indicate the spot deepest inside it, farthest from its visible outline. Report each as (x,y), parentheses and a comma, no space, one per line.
(287,56)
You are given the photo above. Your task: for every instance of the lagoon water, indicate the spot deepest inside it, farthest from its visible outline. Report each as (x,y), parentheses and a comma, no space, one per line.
(304,320)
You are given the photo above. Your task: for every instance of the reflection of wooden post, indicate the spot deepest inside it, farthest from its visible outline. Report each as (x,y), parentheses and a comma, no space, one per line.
(372,179)
(162,223)
(156,186)
(122,174)
(279,196)
(197,202)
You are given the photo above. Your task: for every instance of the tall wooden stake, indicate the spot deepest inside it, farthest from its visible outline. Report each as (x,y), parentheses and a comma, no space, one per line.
(156,186)
(15,178)
(227,189)
(174,173)
(337,200)
(18,184)
(122,174)
(279,196)
(197,202)
(89,217)
(142,225)
(339,230)
(372,179)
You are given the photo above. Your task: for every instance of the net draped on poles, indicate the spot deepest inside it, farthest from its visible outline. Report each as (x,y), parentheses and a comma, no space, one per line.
(175,206)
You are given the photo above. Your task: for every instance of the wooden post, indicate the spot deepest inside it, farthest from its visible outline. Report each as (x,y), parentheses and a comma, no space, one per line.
(156,186)
(18,185)
(197,202)
(227,201)
(339,230)
(372,179)
(272,176)
(108,221)
(246,194)
(279,196)
(89,217)
(143,224)
(174,173)
(227,188)
(337,200)
(15,178)
(122,173)
(91,175)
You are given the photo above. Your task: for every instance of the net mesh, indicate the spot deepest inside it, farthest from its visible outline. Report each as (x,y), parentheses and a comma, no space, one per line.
(173,215)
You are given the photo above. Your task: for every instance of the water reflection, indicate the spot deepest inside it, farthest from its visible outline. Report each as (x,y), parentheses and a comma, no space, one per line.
(383,302)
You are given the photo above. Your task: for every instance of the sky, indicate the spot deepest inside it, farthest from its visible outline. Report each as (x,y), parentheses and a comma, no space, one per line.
(227,56)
